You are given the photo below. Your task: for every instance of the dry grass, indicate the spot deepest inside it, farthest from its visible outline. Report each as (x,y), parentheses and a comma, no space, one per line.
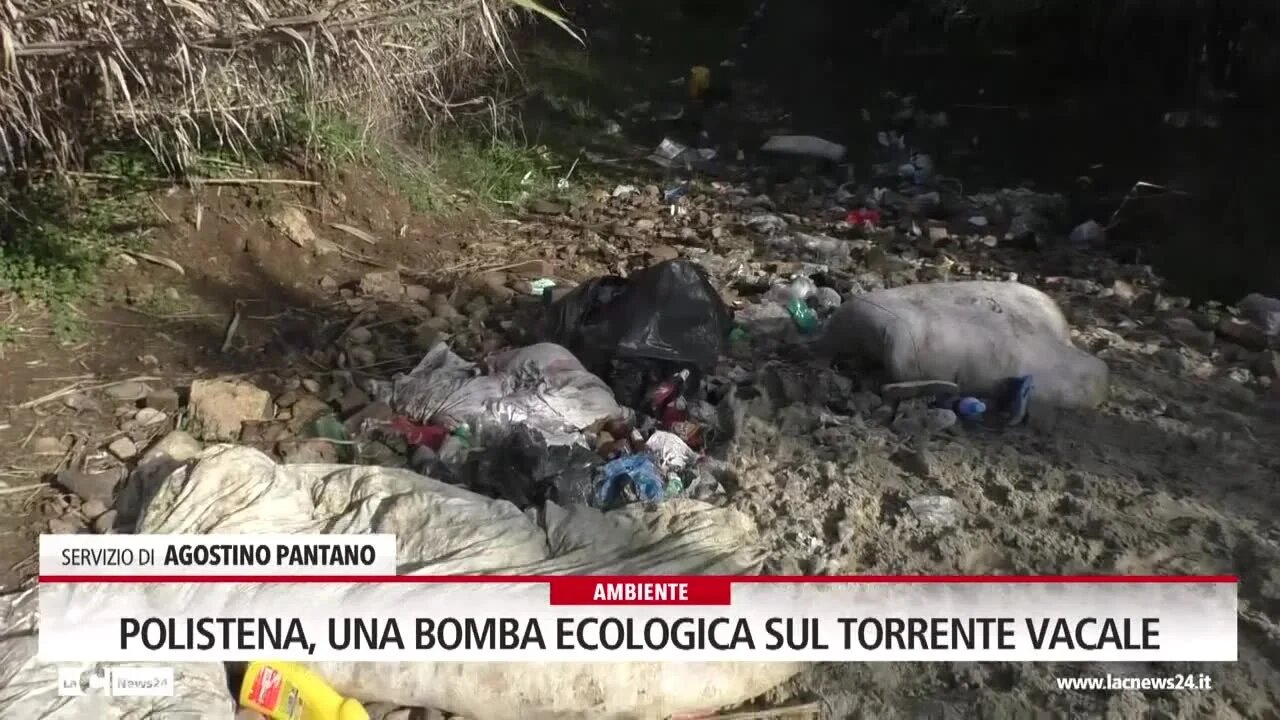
(188,74)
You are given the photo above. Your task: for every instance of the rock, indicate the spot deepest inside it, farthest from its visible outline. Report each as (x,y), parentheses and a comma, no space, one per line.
(377,412)
(105,523)
(865,403)
(328,283)
(1243,332)
(93,509)
(324,246)
(1185,331)
(360,335)
(165,401)
(1123,291)
(417,293)
(123,448)
(917,461)
(894,392)
(917,422)
(66,525)
(157,463)
(645,224)
(442,308)
(827,298)
(295,226)
(1262,311)
(306,409)
(92,486)
(361,357)
(129,391)
(311,385)
(263,433)
(659,253)
(1267,364)
(547,207)
(148,416)
(218,408)
(1173,361)
(385,284)
(314,450)
(353,399)
(48,445)
(937,510)
(81,402)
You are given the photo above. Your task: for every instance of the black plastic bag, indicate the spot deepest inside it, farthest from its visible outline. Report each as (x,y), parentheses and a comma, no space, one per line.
(665,314)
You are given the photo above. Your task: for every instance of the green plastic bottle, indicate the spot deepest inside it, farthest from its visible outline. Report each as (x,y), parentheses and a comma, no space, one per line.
(803,315)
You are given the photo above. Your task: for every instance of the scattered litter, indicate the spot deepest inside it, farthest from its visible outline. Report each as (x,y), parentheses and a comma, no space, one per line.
(635,473)
(806,320)
(675,193)
(541,286)
(768,224)
(624,191)
(1088,234)
(805,145)
(158,260)
(666,313)
(541,386)
(937,510)
(355,232)
(699,81)
(670,154)
(863,216)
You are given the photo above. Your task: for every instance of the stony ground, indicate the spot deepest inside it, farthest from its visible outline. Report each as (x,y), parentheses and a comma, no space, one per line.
(302,295)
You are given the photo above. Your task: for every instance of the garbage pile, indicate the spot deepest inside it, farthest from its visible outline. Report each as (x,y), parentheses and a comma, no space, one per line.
(540,423)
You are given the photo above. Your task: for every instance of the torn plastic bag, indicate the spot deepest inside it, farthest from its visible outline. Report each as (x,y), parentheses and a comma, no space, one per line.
(667,313)
(976,334)
(542,386)
(441,529)
(530,468)
(29,688)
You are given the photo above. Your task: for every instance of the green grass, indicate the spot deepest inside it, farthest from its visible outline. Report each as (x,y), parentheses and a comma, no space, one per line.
(59,234)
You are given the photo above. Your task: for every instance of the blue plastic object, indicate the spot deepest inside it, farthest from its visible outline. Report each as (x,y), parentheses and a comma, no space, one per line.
(639,471)
(970,407)
(1019,398)
(673,194)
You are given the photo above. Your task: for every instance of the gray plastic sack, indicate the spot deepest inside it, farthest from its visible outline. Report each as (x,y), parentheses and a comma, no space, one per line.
(542,386)
(976,334)
(442,529)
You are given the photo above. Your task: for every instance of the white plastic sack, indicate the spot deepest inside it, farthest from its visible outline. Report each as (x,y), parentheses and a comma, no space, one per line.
(1264,312)
(805,145)
(542,386)
(442,529)
(976,334)
(29,689)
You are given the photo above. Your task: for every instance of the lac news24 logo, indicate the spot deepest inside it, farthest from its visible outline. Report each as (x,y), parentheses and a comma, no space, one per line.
(121,681)
(73,682)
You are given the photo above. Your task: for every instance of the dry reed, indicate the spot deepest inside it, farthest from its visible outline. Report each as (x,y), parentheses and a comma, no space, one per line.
(182,73)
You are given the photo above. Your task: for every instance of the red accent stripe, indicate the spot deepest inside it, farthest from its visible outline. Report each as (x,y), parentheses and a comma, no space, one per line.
(735,579)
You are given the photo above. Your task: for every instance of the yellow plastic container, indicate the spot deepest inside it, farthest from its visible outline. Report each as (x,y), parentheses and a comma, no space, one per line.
(287,691)
(699,81)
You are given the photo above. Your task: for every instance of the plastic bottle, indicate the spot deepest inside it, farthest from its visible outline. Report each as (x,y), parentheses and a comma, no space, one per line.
(287,691)
(803,316)
(969,407)
(667,390)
